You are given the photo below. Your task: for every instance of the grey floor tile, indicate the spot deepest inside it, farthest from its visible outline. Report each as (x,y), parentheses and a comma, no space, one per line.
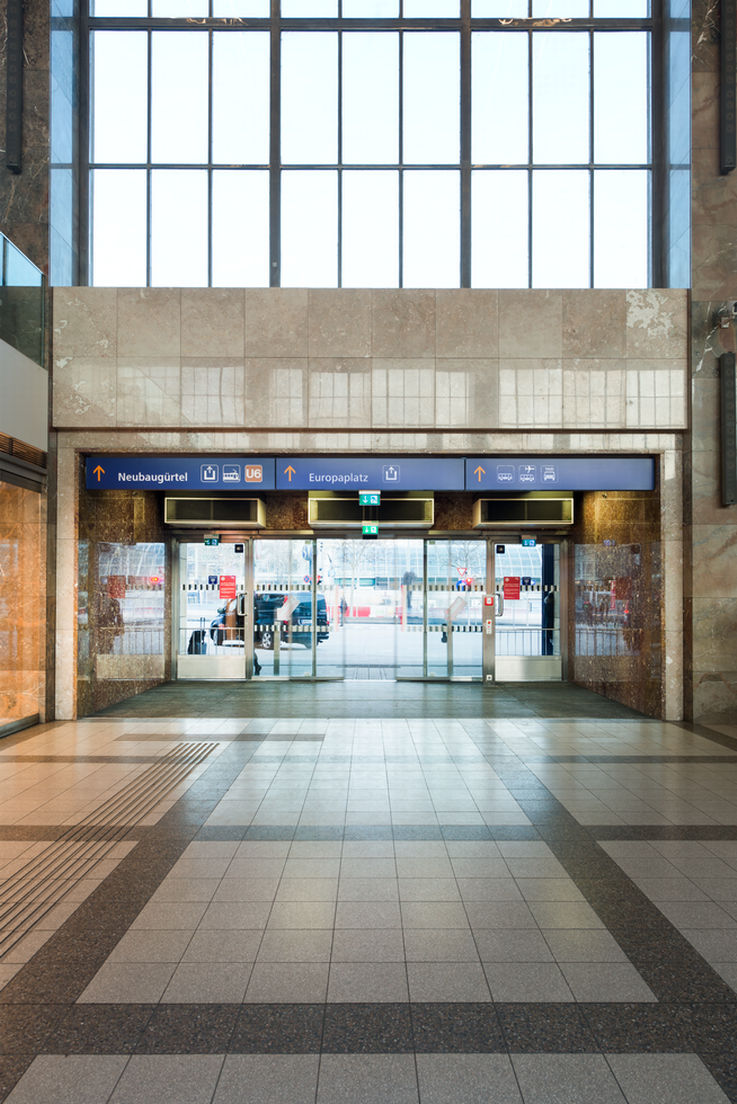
(170,916)
(128,983)
(268,1079)
(307,889)
(151,946)
(186,890)
(665,1079)
(606,982)
(293,945)
(440,945)
(565,914)
(697,914)
(368,982)
(168,1079)
(208,983)
(525,981)
(375,945)
(467,1079)
(224,915)
(367,1079)
(434,914)
(714,945)
(489,889)
(503,945)
(367,914)
(302,914)
(368,889)
(499,914)
(549,889)
(566,1079)
(69,1079)
(223,946)
(246,889)
(290,982)
(455,982)
(428,889)
(583,945)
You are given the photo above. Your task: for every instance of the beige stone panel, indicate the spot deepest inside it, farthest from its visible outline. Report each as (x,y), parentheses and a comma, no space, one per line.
(402,393)
(84,392)
(276,322)
(467,323)
(276,392)
(149,321)
(213,322)
(149,391)
(530,393)
(593,393)
(213,391)
(339,393)
(403,323)
(84,322)
(340,323)
(594,323)
(530,324)
(714,561)
(657,324)
(467,393)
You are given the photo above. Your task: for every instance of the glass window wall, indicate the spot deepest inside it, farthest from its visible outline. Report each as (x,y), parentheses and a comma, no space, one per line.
(344,143)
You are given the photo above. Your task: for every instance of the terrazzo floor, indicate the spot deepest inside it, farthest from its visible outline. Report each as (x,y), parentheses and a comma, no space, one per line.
(527,897)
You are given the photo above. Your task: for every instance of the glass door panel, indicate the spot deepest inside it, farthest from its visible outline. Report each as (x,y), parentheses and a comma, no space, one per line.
(285,629)
(211,635)
(456,581)
(527,605)
(374,590)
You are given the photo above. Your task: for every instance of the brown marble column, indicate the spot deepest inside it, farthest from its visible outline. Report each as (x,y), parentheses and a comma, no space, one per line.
(711,529)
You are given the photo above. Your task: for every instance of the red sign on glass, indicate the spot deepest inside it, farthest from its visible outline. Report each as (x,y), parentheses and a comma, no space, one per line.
(511,586)
(227,586)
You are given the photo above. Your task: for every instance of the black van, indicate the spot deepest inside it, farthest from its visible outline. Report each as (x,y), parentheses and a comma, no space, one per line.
(228,626)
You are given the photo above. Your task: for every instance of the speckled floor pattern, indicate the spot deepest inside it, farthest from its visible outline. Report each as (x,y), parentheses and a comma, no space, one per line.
(516,898)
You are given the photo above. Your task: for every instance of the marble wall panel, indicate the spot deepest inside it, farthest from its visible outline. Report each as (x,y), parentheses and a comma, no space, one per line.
(85,391)
(403,323)
(616,601)
(276,392)
(657,324)
(593,393)
(339,392)
(530,393)
(277,322)
(213,322)
(714,561)
(85,322)
(22,604)
(594,323)
(213,391)
(149,322)
(467,323)
(149,390)
(339,323)
(402,393)
(424,330)
(466,393)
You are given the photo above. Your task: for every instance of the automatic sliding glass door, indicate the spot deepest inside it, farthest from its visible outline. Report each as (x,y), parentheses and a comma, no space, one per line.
(212,631)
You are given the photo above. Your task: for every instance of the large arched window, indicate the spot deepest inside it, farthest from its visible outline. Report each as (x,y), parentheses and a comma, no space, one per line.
(370,143)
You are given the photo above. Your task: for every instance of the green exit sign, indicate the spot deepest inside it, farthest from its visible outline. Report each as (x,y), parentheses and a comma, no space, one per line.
(370,530)
(369,498)
(529,542)
(212,540)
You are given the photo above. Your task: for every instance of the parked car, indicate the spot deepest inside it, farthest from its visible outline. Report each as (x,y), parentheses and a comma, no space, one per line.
(228,626)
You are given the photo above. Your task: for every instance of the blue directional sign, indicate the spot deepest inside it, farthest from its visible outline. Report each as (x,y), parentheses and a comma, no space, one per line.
(565,473)
(370,473)
(180,473)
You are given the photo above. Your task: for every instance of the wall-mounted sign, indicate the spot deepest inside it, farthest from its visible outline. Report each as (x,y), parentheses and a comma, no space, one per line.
(370,473)
(566,473)
(180,473)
